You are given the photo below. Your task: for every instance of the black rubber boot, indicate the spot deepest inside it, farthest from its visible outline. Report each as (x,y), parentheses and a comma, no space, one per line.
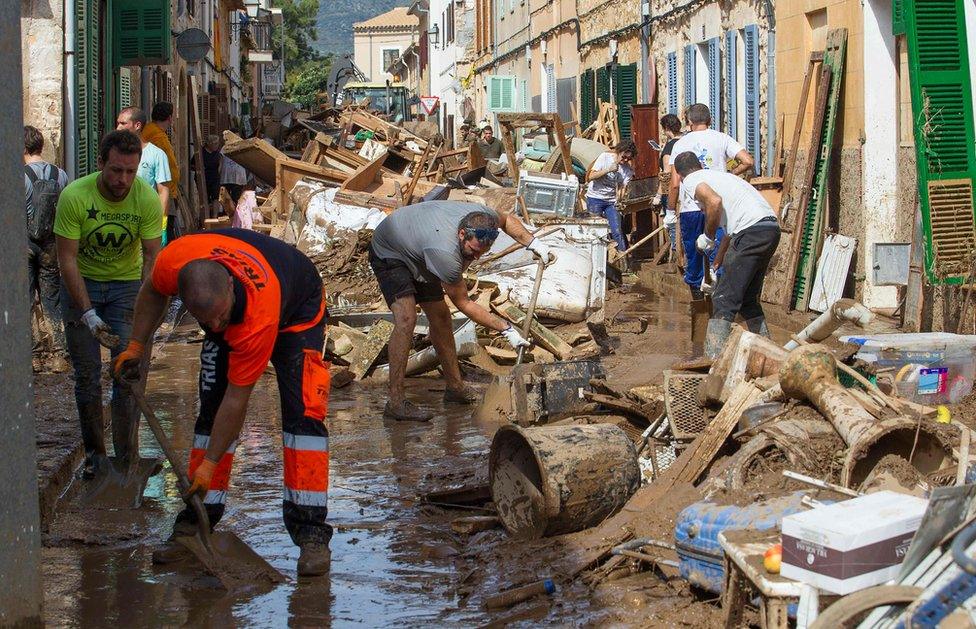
(315,560)
(172,551)
(757,325)
(92,436)
(125,428)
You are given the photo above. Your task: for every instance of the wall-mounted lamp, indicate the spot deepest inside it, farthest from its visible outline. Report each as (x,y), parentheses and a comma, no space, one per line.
(435,34)
(544,47)
(528,54)
(613,49)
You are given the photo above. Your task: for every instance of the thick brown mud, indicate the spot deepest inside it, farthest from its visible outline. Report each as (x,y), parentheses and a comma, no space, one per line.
(395,561)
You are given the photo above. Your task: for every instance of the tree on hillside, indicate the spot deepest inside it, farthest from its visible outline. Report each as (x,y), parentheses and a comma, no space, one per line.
(304,83)
(299,29)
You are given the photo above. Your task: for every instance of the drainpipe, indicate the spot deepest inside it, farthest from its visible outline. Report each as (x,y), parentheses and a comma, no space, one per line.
(645,41)
(771,91)
(70,84)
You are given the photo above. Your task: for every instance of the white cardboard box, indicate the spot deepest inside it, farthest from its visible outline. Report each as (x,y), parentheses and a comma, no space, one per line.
(851,545)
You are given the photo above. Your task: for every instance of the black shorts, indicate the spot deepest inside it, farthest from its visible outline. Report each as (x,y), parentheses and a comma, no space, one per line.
(396,280)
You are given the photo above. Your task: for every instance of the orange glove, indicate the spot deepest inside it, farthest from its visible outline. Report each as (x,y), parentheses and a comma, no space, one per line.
(202,477)
(126,365)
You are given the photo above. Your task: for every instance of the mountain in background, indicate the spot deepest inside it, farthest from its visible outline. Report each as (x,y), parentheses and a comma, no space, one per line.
(336,18)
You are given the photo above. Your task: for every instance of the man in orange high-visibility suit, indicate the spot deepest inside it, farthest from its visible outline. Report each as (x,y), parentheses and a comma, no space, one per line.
(258,299)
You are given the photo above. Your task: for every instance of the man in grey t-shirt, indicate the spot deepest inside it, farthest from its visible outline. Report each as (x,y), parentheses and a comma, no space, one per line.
(418,254)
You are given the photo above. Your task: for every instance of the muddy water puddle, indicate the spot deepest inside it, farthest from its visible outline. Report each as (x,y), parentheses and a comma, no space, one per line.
(393,561)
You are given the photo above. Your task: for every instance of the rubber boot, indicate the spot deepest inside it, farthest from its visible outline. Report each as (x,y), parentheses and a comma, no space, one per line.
(92,436)
(315,560)
(757,325)
(718,332)
(406,411)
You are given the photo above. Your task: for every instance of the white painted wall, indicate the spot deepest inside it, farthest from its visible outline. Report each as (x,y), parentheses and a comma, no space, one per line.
(880,151)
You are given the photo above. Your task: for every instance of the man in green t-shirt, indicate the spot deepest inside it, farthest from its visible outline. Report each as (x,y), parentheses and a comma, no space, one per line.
(108,227)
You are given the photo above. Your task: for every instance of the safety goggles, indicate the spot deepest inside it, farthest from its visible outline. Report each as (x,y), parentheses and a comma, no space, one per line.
(483,234)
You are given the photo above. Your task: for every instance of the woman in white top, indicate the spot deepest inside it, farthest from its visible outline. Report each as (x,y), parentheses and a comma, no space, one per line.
(607,178)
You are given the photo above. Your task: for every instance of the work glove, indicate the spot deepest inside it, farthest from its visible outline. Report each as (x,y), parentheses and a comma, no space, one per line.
(541,250)
(202,477)
(709,280)
(99,329)
(513,337)
(704,243)
(126,364)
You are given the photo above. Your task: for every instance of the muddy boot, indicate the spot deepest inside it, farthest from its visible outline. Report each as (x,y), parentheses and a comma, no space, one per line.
(718,332)
(315,560)
(93,436)
(172,551)
(757,325)
(406,411)
(464,395)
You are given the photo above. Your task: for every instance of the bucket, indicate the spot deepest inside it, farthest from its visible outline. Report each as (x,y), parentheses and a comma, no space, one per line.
(552,480)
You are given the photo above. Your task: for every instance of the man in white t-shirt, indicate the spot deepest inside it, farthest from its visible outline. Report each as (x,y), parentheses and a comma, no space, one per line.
(607,178)
(713,149)
(752,234)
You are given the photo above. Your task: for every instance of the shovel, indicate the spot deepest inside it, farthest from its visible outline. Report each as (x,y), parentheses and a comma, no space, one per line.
(222,553)
(527,324)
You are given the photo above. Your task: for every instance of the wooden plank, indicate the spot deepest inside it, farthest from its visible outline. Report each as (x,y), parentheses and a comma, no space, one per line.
(365,175)
(801,113)
(362,359)
(290,171)
(509,143)
(548,339)
(255,154)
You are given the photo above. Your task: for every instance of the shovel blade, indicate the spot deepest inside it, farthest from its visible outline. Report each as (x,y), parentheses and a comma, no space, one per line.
(234,563)
(120,485)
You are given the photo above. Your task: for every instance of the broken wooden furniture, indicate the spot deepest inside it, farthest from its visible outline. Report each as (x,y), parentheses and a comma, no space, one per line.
(554,127)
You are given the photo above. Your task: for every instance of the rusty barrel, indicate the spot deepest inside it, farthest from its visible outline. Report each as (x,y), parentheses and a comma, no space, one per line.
(551,480)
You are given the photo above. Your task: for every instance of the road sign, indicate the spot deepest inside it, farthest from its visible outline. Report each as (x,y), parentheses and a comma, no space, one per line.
(429,103)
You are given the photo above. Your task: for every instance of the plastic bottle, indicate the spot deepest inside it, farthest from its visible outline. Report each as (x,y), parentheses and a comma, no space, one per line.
(519,594)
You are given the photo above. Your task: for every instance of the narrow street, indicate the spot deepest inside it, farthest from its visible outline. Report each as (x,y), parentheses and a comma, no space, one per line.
(394,561)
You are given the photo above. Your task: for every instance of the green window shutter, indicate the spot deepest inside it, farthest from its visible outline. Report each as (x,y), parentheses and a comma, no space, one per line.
(494,93)
(87,101)
(501,93)
(946,157)
(602,86)
(625,95)
(125,88)
(140,30)
(897,17)
(524,92)
(587,100)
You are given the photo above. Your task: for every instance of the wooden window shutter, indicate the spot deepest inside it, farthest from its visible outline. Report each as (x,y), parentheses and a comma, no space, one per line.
(625,96)
(501,93)
(141,32)
(587,100)
(715,81)
(673,83)
(751,41)
(602,86)
(690,96)
(897,17)
(494,94)
(731,86)
(946,157)
(524,93)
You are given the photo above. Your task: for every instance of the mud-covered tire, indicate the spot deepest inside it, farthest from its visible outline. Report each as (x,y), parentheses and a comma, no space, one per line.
(853,605)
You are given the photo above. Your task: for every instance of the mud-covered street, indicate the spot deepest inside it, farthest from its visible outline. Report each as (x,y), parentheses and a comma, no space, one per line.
(394,560)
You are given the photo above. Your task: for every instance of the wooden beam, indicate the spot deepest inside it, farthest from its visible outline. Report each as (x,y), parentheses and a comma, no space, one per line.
(204,209)
(365,175)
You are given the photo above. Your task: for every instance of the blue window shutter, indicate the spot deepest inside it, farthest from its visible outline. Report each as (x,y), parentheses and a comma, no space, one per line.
(714,81)
(731,88)
(673,83)
(751,41)
(690,75)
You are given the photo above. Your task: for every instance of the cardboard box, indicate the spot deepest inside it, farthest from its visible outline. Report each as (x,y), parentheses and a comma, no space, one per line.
(851,545)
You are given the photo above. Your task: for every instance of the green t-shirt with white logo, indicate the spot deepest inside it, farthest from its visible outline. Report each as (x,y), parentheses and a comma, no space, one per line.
(109,234)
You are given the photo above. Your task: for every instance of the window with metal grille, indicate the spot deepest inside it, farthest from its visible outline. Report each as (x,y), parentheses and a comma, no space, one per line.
(672,83)
(141,32)
(751,43)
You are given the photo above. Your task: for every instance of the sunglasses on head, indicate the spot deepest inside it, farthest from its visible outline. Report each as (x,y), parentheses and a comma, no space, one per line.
(483,234)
